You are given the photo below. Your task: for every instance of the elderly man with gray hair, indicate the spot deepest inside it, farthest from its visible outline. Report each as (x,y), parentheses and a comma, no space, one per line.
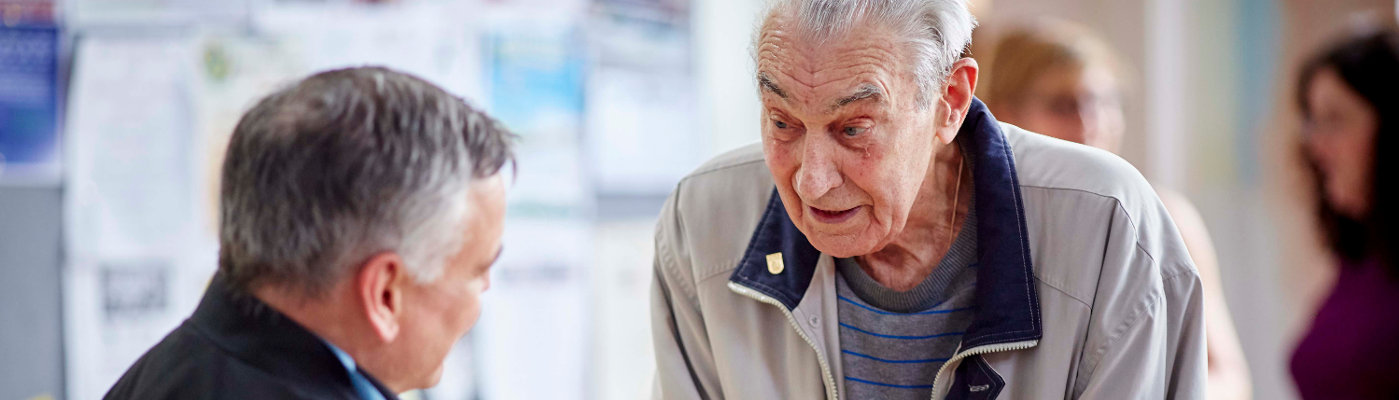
(890,239)
(360,212)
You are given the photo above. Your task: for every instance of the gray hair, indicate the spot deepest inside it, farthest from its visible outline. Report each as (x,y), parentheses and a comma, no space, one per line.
(345,164)
(936,32)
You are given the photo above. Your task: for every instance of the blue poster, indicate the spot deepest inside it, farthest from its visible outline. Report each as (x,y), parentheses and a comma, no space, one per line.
(28,100)
(536,80)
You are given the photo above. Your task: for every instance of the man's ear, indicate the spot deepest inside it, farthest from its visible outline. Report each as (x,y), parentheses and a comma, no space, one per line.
(956,98)
(379,288)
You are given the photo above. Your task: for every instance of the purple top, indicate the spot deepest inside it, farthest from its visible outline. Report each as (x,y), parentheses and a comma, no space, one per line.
(1352,349)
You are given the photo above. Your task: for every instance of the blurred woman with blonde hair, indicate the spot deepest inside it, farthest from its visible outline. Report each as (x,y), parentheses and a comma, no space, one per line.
(1058,79)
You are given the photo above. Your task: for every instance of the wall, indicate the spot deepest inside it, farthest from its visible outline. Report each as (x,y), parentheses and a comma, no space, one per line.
(723,34)
(31,357)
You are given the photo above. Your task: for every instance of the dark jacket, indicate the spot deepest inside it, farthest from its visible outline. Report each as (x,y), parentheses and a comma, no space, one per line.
(236,347)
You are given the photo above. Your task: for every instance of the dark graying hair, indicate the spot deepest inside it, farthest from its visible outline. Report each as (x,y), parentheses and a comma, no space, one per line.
(345,164)
(1366,61)
(935,32)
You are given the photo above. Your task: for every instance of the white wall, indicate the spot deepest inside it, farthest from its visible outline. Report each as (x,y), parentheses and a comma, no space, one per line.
(724,67)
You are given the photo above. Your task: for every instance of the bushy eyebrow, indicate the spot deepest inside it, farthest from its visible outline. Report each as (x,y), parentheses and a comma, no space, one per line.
(765,83)
(498,251)
(865,91)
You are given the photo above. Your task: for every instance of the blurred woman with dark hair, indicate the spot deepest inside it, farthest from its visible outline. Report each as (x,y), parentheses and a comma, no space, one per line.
(1058,79)
(1349,99)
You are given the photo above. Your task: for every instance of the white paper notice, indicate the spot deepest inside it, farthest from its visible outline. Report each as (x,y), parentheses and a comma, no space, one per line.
(138,250)
(533,334)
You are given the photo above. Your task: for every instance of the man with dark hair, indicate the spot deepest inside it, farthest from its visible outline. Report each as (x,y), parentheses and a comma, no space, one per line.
(360,212)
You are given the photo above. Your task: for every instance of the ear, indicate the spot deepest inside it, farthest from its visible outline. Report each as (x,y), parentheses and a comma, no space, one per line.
(379,287)
(956,99)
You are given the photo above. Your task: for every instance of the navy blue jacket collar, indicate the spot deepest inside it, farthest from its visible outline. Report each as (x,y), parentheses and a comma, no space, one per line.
(264,338)
(1007,303)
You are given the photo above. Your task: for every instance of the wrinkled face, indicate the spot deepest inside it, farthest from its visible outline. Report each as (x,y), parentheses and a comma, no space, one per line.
(439,313)
(844,135)
(1341,139)
(1080,105)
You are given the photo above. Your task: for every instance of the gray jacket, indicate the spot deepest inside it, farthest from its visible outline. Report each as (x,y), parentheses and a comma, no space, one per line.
(1084,290)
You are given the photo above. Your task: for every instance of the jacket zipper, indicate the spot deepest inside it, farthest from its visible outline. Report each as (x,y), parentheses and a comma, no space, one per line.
(987,349)
(820,357)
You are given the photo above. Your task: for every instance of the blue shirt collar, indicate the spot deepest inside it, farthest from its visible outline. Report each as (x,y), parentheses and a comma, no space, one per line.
(365,389)
(1007,303)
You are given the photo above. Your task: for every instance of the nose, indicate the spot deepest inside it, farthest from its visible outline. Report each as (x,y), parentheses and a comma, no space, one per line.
(818,173)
